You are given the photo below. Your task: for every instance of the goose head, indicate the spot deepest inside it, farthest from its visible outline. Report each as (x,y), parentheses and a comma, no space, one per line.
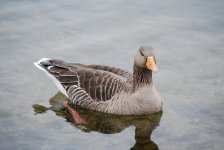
(145,58)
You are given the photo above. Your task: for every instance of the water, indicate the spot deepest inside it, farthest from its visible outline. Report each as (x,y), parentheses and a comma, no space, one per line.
(188,40)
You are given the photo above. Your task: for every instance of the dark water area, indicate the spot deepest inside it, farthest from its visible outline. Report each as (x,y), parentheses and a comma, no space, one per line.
(188,40)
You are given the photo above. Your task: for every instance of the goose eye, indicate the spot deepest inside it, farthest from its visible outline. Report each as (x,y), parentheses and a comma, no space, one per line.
(141,53)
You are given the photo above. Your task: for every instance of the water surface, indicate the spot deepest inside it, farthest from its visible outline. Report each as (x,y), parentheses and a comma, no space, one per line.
(188,40)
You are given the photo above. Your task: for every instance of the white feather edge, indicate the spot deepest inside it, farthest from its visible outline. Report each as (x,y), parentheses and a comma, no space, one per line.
(56,82)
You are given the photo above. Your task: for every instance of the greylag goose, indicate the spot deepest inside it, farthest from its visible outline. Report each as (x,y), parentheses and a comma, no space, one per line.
(108,89)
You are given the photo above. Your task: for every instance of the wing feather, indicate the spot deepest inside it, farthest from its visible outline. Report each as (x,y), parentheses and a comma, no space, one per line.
(99,82)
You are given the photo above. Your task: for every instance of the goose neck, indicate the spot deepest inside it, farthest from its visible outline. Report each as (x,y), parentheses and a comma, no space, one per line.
(141,77)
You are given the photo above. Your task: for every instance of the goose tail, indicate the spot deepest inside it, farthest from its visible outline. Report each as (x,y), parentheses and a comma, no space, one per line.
(42,64)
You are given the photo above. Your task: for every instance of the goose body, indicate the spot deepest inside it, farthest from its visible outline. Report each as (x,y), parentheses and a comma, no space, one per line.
(108,89)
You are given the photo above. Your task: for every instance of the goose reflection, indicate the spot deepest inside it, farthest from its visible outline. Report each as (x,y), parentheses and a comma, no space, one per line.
(107,123)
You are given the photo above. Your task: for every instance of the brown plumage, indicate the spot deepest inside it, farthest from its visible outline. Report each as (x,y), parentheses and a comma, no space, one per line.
(108,89)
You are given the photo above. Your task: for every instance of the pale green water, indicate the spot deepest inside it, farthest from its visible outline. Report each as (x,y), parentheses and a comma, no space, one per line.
(188,40)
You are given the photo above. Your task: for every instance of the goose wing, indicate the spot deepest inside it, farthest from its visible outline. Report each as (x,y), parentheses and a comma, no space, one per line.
(99,84)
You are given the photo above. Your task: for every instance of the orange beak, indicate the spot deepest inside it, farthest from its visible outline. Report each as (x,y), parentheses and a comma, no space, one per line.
(151,64)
